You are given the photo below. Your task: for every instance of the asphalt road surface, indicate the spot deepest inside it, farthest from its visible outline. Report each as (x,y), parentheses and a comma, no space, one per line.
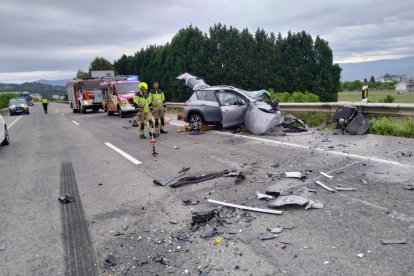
(146,229)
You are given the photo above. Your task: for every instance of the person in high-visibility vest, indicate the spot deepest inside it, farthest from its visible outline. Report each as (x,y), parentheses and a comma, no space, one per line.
(45,102)
(158,107)
(144,115)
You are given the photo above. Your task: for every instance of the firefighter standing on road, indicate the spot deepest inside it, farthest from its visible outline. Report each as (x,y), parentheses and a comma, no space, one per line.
(144,114)
(45,103)
(157,103)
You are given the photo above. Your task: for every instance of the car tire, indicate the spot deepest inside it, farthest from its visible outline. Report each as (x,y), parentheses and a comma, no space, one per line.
(6,139)
(195,120)
(120,113)
(110,113)
(11,113)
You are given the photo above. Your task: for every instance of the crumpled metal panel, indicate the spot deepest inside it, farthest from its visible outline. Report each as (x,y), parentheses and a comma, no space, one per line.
(259,122)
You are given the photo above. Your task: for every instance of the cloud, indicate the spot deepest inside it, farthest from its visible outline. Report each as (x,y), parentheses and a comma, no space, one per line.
(64,36)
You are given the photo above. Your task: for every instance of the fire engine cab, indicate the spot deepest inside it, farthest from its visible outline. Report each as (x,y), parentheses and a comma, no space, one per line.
(84,93)
(118,95)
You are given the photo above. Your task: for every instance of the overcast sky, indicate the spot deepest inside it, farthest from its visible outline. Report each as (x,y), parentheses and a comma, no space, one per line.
(52,39)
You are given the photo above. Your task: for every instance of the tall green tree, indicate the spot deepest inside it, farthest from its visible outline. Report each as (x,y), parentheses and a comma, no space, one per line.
(100,63)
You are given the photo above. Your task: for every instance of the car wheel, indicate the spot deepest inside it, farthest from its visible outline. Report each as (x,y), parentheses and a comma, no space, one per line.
(110,113)
(11,113)
(6,140)
(195,121)
(121,114)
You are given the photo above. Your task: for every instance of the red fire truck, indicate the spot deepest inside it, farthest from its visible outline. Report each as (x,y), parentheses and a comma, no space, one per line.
(118,95)
(84,93)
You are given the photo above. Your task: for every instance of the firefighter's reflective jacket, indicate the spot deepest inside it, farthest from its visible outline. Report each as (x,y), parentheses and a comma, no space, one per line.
(142,102)
(156,97)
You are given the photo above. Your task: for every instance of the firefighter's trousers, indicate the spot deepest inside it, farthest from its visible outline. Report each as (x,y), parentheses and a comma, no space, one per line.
(158,112)
(144,119)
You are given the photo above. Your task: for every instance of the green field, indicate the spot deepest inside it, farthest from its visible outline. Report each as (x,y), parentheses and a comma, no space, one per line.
(375,96)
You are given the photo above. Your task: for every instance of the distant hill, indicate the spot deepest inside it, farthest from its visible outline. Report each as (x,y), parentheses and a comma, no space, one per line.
(34,88)
(361,70)
(53,82)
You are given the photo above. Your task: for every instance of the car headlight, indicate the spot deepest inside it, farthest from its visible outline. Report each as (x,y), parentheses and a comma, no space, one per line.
(87,102)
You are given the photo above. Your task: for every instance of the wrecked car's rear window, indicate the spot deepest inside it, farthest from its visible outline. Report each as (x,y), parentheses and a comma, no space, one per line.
(206,95)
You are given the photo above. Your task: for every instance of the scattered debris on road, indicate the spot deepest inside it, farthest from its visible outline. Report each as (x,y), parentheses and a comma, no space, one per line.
(409,187)
(264,196)
(266,236)
(324,186)
(326,175)
(167,180)
(66,199)
(196,179)
(110,261)
(276,212)
(295,200)
(385,242)
(344,189)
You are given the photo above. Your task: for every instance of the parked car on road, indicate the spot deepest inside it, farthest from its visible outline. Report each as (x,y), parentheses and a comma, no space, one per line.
(26,95)
(18,106)
(4,134)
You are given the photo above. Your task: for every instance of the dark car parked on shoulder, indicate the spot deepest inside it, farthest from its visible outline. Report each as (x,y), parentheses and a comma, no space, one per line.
(18,106)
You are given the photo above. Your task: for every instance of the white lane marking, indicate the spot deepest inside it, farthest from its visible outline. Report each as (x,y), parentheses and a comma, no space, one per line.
(351,155)
(15,121)
(76,123)
(124,154)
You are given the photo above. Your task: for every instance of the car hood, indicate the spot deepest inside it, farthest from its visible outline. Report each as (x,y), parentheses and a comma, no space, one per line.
(260,119)
(126,95)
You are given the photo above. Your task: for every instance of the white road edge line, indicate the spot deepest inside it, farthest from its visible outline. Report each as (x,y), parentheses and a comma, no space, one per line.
(351,155)
(124,154)
(15,121)
(76,123)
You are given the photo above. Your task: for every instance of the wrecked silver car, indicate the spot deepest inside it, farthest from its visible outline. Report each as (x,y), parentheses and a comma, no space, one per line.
(226,106)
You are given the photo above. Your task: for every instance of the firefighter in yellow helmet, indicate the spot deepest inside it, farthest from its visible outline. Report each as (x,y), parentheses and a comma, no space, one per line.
(158,107)
(144,115)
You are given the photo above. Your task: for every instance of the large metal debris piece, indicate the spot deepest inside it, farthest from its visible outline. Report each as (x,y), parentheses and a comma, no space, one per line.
(295,200)
(268,211)
(288,200)
(196,179)
(261,122)
(169,179)
(293,175)
(348,119)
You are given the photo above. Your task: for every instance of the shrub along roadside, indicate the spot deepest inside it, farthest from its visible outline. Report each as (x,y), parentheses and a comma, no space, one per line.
(4,99)
(402,127)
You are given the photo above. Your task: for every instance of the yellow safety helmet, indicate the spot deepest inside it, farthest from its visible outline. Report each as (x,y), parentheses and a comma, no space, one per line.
(143,85)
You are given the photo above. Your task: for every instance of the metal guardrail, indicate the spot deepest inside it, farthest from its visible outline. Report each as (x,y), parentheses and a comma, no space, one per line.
(393,109)
(4,111)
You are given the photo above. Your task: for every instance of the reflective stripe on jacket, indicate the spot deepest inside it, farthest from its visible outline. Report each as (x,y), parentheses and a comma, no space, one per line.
(142,103)
(44,100)
(156,97)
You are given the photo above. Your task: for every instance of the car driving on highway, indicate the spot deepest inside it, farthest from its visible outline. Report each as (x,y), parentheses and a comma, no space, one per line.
(18,106)
(4,134)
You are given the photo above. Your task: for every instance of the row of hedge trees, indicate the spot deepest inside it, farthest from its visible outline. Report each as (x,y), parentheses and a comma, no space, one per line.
(226,55)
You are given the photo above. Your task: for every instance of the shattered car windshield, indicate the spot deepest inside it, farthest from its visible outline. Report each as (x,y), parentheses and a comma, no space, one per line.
(126,87)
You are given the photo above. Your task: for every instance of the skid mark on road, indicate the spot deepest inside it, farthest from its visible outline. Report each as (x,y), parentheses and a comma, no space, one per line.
(79,253)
